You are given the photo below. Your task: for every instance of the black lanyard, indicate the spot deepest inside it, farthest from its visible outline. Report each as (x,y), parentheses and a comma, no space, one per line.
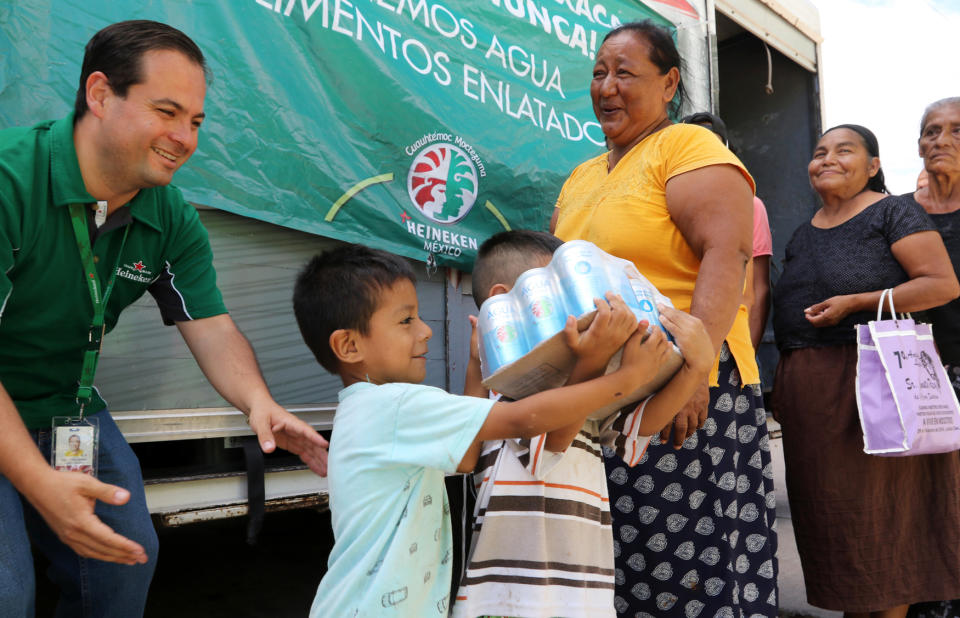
(95,335)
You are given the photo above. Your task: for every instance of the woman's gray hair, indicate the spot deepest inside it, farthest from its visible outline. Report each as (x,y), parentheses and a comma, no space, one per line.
(951,101)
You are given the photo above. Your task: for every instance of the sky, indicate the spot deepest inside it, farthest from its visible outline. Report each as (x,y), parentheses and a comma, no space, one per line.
(884,61)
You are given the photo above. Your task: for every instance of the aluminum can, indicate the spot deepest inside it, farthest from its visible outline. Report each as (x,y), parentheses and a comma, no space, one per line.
(624,287)
(646,306)
(542,305)
(502,339)
(583,275)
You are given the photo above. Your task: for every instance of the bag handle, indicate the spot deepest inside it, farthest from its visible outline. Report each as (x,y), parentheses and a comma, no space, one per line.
(888,294)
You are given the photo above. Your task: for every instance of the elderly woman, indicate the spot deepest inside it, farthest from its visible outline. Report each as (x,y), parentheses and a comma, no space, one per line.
(692,522)
(874,533)
(940,148)
(939,194)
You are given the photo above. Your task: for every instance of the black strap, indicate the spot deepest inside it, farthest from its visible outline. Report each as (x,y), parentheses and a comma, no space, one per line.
(256,494)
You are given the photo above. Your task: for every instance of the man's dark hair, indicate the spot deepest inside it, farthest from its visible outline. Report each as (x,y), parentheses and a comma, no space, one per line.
(505,256)
(663,53)
(117,51)
(341,288)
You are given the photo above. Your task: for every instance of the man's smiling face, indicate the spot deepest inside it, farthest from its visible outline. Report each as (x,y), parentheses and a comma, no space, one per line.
(152,131)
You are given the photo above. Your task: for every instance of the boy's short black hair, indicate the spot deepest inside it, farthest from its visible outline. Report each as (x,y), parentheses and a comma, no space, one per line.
(710,121)
(505,256)
(340,289)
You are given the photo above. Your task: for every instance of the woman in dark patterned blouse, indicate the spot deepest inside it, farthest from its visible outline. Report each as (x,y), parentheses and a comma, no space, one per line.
(874,533)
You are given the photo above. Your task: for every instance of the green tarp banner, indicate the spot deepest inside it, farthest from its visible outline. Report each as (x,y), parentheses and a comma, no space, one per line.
(415,126)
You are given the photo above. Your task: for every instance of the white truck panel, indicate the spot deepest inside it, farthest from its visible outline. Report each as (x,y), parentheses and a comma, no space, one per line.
(775,23)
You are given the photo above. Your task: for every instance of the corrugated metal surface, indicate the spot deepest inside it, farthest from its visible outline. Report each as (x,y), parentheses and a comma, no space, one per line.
(146,366)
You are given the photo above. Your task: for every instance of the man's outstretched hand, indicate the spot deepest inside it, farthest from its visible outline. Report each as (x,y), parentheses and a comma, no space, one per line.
(275,427)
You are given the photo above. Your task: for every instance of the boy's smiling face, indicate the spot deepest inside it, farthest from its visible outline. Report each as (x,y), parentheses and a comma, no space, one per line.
(395,346)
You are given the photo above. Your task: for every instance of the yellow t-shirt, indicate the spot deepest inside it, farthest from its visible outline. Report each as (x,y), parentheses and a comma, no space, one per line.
(624,212)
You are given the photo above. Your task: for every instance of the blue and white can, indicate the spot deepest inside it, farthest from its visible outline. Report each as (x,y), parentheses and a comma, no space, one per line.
(628,293)
(646,308)
(500,329)
(541,303)
(583,276)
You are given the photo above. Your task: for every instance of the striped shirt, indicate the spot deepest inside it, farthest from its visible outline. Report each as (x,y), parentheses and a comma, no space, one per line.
(542,541)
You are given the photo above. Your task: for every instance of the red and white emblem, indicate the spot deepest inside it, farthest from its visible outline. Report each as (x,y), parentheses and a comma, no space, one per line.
(443,182)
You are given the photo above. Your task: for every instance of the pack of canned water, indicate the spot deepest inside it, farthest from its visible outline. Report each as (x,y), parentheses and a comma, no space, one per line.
(536,308)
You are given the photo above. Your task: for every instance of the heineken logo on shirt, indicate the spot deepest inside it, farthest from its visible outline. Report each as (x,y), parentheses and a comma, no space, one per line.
(136,271)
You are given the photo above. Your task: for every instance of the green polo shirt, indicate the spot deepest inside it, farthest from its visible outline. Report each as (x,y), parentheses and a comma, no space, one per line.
(45,308)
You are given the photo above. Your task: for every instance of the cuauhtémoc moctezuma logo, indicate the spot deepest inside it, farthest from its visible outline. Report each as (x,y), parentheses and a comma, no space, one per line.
(443,182)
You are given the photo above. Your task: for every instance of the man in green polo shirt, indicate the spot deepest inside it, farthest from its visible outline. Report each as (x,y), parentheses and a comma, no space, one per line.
(85,202)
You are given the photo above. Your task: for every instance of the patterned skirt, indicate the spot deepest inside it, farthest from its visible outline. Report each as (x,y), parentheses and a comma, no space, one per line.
(695,529)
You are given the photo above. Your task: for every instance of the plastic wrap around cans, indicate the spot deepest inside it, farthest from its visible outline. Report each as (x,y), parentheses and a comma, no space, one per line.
(583,275)
(501,326)
(537,306)
(541,303)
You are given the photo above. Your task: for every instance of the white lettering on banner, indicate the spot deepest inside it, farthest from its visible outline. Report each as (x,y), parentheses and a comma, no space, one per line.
(522,64)
(442,242)
(582,8)
(477,86)
(459,141)
(438,249)
(573,35)
(339,12)
(306,7)
(430,138)
(436,17)
(344,18)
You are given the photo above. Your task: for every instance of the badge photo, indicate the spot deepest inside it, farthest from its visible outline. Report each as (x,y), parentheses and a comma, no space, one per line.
(75,442)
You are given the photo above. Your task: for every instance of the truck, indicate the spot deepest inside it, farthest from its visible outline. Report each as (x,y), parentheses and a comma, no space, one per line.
(410,125)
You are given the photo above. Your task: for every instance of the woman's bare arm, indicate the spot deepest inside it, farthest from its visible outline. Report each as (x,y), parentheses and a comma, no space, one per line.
(713,209)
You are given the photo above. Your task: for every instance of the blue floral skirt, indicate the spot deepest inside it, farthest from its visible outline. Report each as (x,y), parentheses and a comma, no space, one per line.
(695,529)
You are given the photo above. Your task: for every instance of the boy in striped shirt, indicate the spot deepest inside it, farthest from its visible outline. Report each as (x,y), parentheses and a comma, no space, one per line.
(542,542)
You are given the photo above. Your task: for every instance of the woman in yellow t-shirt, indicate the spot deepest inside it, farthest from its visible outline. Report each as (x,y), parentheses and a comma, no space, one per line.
(692,522)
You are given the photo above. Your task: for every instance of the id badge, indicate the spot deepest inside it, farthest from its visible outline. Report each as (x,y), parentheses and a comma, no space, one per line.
(75,444)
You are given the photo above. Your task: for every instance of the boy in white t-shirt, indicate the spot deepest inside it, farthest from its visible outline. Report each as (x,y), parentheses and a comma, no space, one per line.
(393,439)
(542,541)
